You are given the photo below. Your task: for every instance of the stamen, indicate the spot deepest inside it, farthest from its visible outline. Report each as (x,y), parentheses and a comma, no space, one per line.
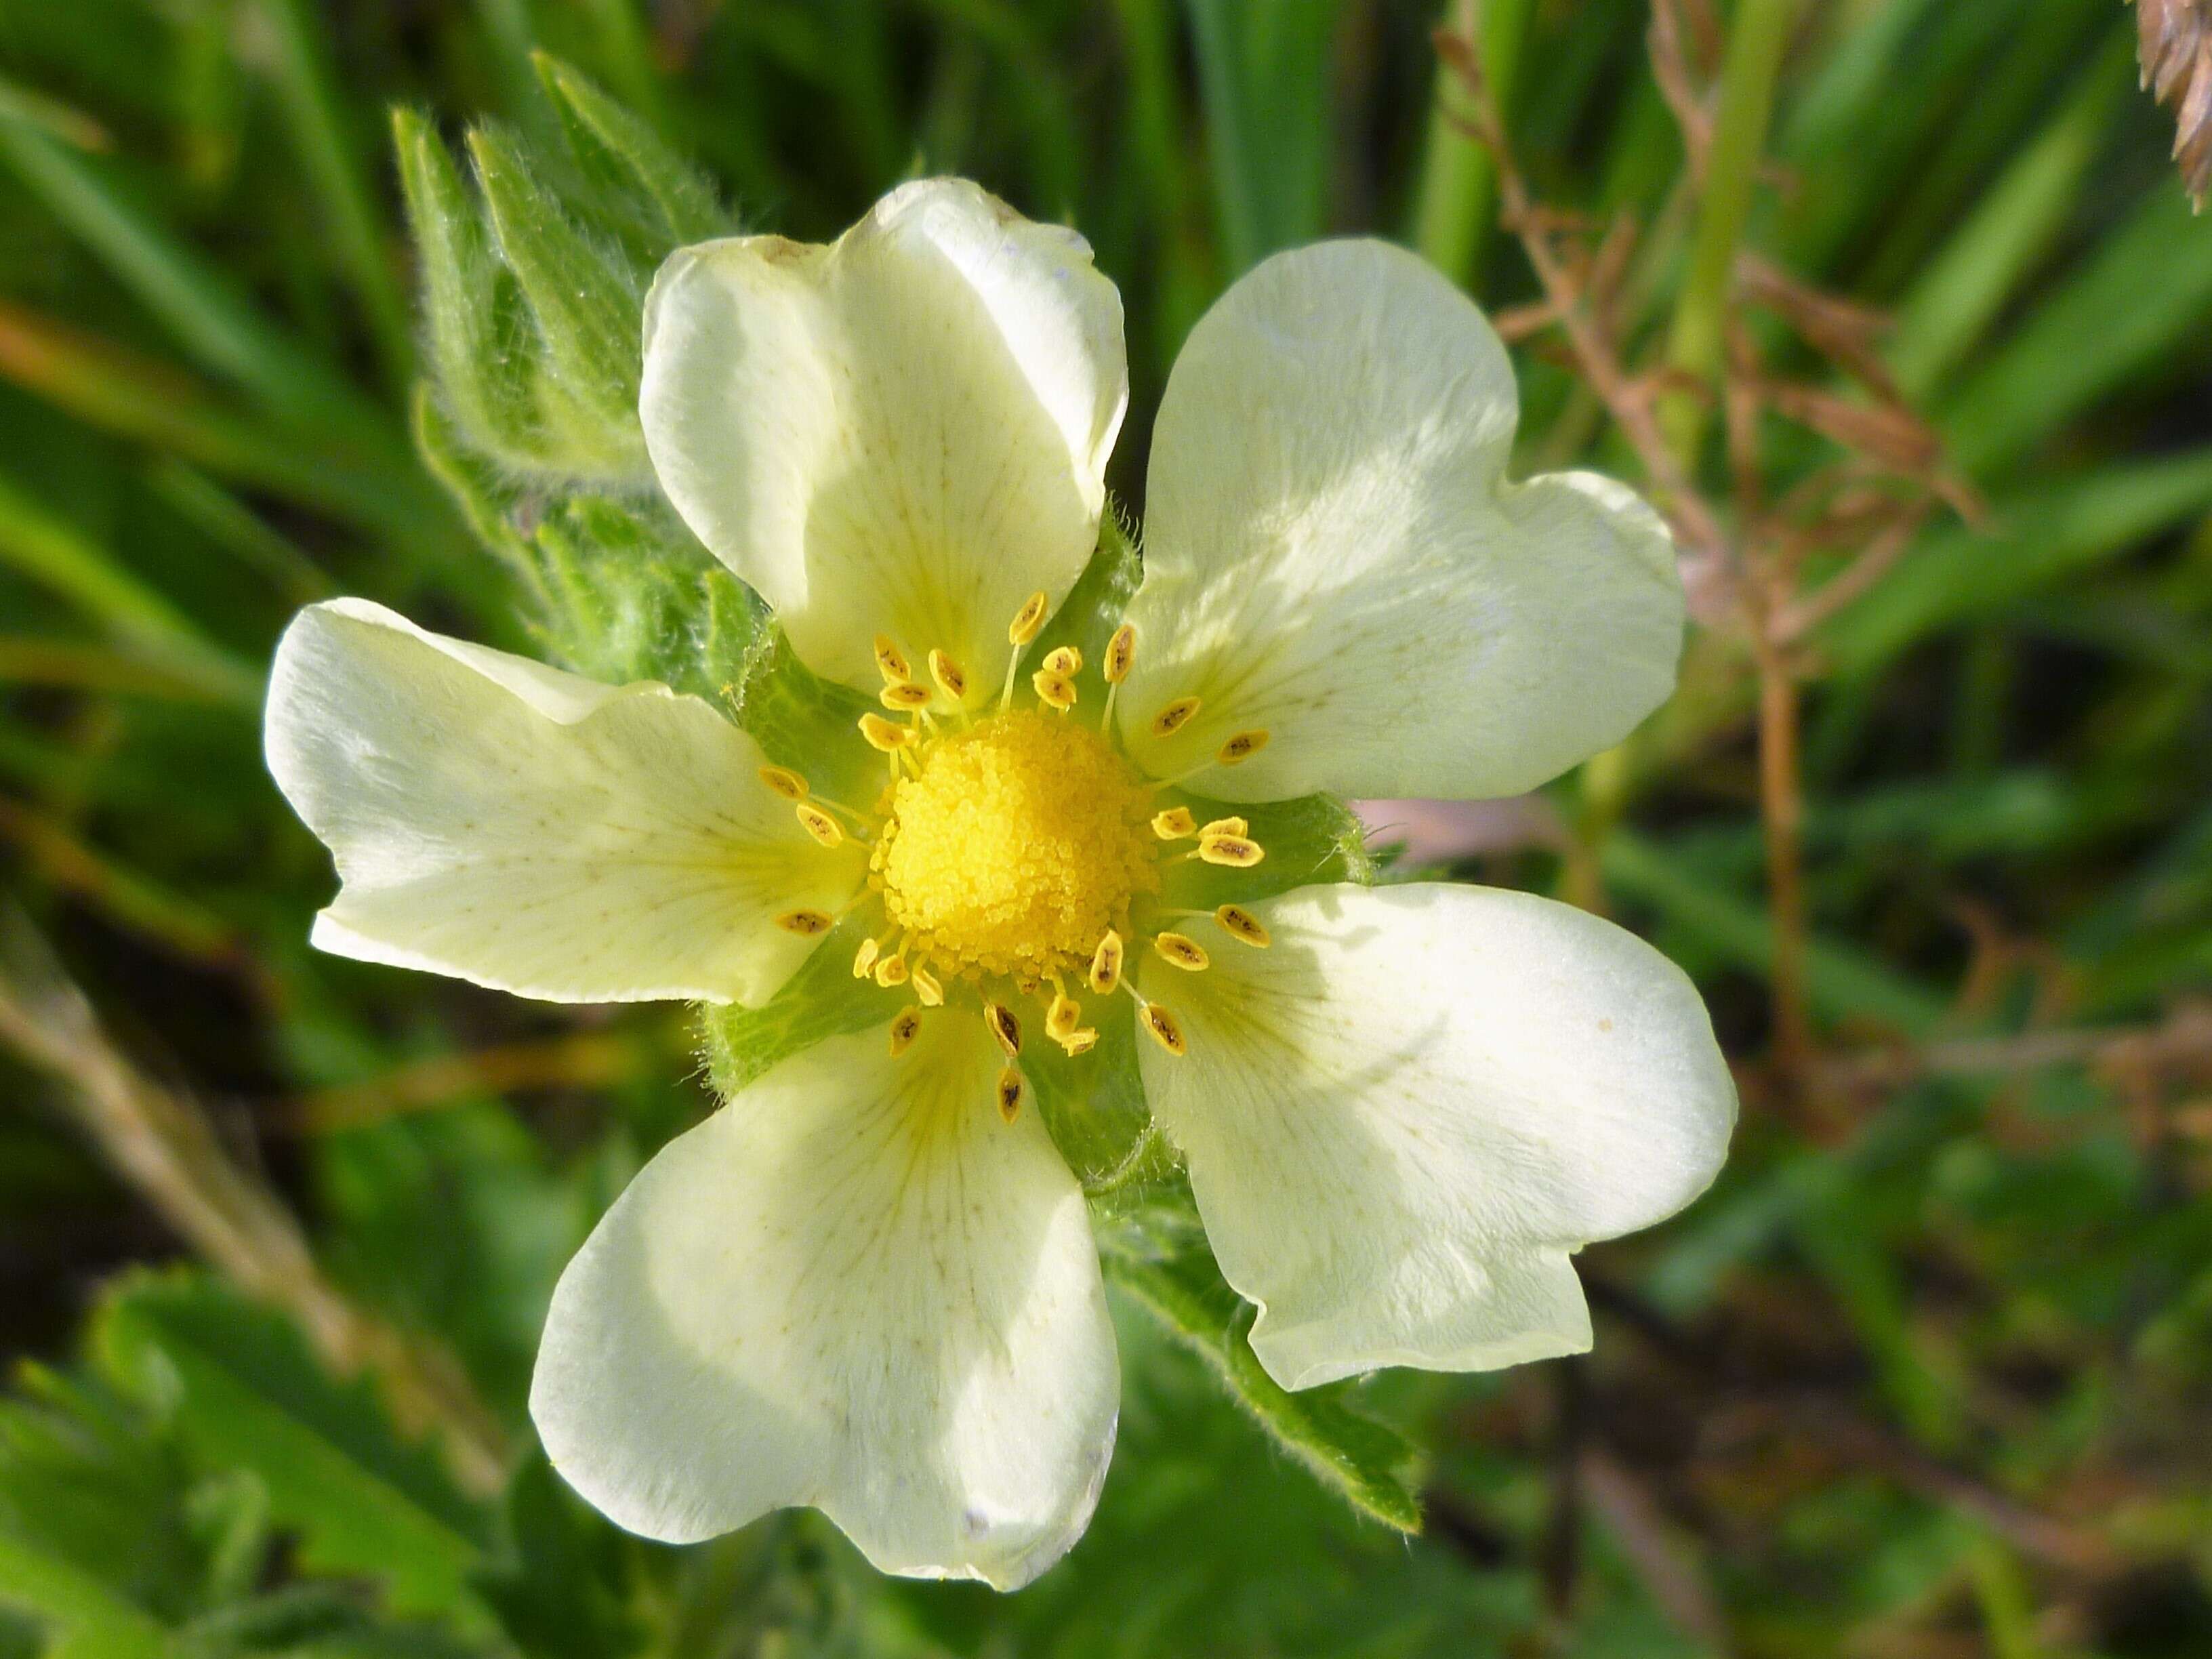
(1061,1019)
(884,735)
(1054,688)
(1121,653)
(1081,1040)
(1004,1026)
(1242,925)
(1184,951)
(904,696)
(891,662)
(807,923)
(1224,827)
(952,679)
(1065,659)
(1174,823)
(819,825)
(1237,852)
(1106,964)
(1009,1093)
(1162,1027)
(906,1026)
(1173,718)
(927,988)
(891,970)
(1241,747)
(786,782)
(1028,621)
(864,959)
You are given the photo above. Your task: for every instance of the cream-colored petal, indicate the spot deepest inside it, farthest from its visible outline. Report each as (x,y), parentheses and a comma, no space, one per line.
(853,1287)
(1403,1117)
(903,433)
(530,830)
(1333,557)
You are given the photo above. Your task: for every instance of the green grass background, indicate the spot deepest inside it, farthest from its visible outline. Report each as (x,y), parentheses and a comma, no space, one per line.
(1928,1373)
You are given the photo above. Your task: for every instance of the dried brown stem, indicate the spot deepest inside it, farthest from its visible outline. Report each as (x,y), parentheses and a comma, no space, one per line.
(162,1144)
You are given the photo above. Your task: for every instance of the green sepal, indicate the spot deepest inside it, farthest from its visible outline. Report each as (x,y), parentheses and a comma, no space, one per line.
(1094,607)
(487,501)
(1309,839)
(586,300)
(653,198)
(1153,1247)
(478,333)
(631,596)
(1094,1103)
(808,723)
(822,1000)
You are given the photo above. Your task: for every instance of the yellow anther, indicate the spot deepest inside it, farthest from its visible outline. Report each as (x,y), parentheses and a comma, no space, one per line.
(891,970)
(891,662)
(1224,827)
(906,1026)
(1162,1027)
(1009,1093)
(1241,747)
(1173,718)
(1028,621)
(864,959)
(927,988)
(819,825)
(1184,952)
(1106,964)
(1064,660)
(1237,852)
(883,734)
(1004,1026)
(1061,1019)
(1174,823)
(1120,652)
(952,679)
(1056,691)
(1242,925)
(904,696)
(807,922)
(1080,1041)
(785,782)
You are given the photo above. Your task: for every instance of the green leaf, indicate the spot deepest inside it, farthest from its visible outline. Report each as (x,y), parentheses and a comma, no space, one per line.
(558,1584)
(661,197)
(94,1542)
(1155,1251)
(243,1392)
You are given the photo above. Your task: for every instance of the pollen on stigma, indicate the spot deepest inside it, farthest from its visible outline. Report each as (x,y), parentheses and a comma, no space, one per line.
(1015,846)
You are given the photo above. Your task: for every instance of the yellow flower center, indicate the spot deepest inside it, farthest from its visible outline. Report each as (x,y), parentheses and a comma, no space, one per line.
(1015,846)
(1008,851)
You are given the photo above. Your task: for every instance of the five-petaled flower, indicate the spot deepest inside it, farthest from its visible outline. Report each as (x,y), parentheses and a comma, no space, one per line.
(868,1283)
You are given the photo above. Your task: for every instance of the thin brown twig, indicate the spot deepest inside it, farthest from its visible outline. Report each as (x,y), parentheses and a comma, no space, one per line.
(162,1144)
(1662,1558)
(1600,364)
(2182,1041)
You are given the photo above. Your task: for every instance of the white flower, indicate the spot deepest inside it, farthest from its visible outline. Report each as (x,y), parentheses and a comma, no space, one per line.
(867,1284)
